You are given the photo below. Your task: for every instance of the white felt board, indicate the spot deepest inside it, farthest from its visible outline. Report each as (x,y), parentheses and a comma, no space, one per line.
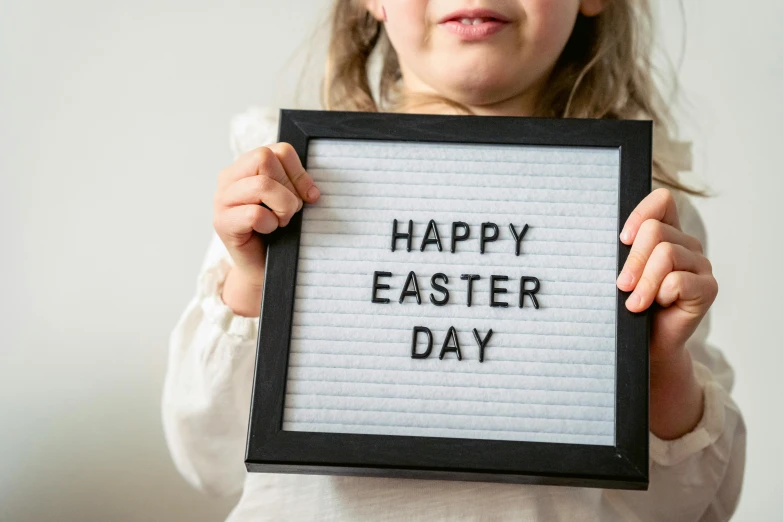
(548,373)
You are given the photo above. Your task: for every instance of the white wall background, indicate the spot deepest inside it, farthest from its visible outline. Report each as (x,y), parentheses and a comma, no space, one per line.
(113,126)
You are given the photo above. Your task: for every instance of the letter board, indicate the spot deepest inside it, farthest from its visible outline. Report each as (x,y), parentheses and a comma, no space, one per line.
(448,308)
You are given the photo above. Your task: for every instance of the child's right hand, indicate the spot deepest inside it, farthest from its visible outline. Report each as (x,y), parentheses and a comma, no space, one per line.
(271,175)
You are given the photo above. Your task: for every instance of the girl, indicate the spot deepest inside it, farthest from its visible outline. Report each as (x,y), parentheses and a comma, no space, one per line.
(574,58)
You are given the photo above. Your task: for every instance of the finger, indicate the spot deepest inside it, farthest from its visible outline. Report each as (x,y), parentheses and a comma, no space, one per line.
(694,292)
(261,189)
(239,222)
(302,182)
(665,258)
(660,205)
(651,233)
(260,161)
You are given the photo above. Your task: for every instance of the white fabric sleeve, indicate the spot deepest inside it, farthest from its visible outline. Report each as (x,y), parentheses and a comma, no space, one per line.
(697,477)
(206,395)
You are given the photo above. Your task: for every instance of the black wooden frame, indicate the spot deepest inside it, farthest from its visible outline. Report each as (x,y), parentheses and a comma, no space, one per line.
(625,465)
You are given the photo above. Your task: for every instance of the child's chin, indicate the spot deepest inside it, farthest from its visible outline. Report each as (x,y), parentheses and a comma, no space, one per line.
(482,88)
(477,94)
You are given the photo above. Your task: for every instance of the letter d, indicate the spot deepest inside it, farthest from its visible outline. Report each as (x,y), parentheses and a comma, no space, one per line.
(424,355)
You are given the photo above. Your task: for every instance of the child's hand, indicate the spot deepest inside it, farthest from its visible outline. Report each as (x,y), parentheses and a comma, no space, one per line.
(668,267)
(270,175)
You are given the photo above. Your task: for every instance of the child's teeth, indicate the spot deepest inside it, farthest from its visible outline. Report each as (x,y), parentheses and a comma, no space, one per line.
(466,21)
(471,21)
(477,21)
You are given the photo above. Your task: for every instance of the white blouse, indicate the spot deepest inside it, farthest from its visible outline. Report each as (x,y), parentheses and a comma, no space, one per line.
(206,403)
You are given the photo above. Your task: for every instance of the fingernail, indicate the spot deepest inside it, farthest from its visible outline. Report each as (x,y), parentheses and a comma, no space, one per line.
(625,279)
(634,300)
(625,236)
(313,193)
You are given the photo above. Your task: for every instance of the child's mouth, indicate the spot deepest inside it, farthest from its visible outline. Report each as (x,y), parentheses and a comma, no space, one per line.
(473,21)
(472,25)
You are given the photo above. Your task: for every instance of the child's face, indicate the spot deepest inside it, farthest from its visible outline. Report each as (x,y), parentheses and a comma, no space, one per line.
(479,52)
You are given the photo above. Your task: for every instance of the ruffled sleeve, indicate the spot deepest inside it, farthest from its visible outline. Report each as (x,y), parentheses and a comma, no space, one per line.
(206,396)
(255,127)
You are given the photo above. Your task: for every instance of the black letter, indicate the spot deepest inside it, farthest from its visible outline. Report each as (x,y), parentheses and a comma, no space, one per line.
(426,241)
(461,237)
(470,278)
(531,293)
(416,330)
(376,287)
(439,288)
(493,291)
(405,292)
(484,237)
(517,238)
(482,344)
(446,348)
(399,235)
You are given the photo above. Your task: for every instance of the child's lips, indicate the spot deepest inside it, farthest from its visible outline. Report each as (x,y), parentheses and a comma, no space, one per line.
(472,29)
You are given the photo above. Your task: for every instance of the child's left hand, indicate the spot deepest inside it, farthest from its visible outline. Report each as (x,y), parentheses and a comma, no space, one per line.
(668,267)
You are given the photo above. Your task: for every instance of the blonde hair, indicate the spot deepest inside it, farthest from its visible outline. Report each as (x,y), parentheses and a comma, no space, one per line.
(604,71)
